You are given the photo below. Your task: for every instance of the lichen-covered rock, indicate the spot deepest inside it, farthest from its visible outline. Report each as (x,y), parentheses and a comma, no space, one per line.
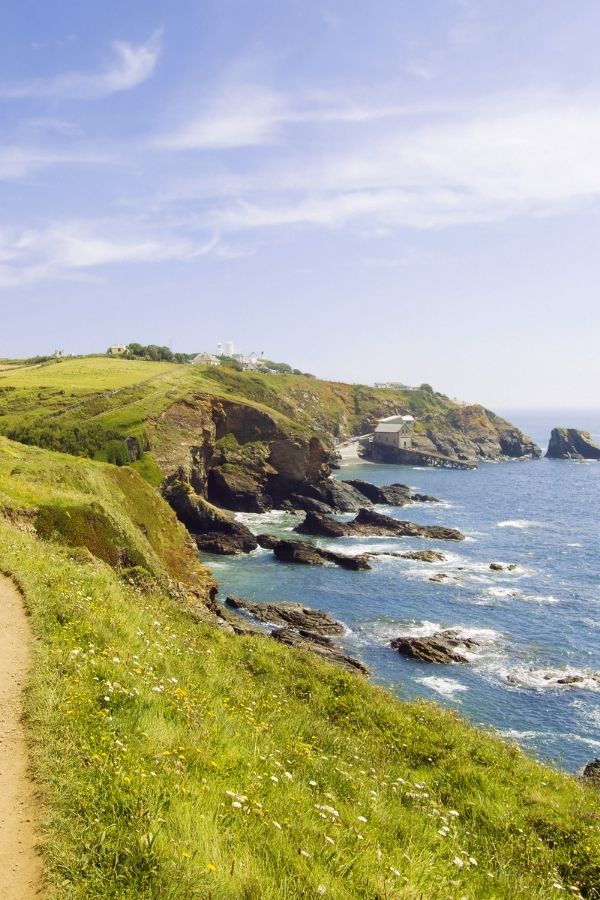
(571,443)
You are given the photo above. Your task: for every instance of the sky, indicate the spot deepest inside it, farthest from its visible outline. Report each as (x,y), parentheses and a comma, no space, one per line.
(392,190)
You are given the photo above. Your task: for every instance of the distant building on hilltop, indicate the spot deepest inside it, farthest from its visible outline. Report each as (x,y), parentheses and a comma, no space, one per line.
(59,354)
(116,350)
(206,359)
(395,431)
(395,386)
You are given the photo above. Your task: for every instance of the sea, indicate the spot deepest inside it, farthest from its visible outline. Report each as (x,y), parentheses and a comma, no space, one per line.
(535,625)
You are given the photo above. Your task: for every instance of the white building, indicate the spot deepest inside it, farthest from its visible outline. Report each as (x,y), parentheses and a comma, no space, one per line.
(116,350)
(206,359)
(395,431)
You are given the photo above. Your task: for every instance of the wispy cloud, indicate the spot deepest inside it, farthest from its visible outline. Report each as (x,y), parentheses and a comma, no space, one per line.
(63,250)
(18,161)
(246,116)
(132,64)
(517,156)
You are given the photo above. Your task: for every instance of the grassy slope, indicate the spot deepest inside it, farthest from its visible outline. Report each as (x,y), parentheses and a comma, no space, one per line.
(177,761)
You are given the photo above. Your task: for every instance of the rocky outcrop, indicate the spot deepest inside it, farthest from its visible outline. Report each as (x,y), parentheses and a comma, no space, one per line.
(429,556)
(289,615)
(591,773)
(442,647)
(305,553)
(471,432)
(322,646)
(500,567)
(373,524)
(214,530)
(390,494)
(571,443)
(238,489)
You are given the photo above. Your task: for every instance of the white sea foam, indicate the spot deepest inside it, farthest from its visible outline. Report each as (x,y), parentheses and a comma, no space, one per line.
(447,687)
(498,594)
(539,679)
(520,523)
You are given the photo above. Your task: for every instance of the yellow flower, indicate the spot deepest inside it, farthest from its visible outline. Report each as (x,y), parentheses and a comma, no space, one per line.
(210,867)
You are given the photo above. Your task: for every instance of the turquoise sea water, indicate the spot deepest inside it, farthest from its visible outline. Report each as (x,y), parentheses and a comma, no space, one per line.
(536,624)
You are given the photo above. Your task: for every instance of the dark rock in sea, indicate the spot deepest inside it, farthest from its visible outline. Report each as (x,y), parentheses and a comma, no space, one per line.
(424,556)
(214,530)
(308,504)
(439,577)
(267,541)
(340,496)
(371,523)
(236,488)
(289,615)
(591,773)
(321,645)
(496,567)
(308,554)
(390,495)
(571,443)
(227,544)
(423,498)
(440,647)
(501,567)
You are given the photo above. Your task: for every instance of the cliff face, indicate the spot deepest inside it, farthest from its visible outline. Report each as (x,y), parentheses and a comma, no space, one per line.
(473,433)
(234,454)
(571,443)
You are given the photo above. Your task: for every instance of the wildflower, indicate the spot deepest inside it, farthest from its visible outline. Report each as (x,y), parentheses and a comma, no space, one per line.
(362,819)
(236,804)
(321,890)
(453,812)
(277,825)
(359,837)
(444,831)
(557,886)
(313,783)
(395,872)
(289,776)
(210,867)
(329,809)
(472,862)
(304,853)
(458,862)
(329,840)
(274,779)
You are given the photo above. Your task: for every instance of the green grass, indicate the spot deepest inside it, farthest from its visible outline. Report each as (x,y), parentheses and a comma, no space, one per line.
(178,761)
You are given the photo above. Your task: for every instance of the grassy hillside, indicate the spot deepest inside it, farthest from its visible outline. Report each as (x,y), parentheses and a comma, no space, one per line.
(88,406)
(111,513)
(179,761)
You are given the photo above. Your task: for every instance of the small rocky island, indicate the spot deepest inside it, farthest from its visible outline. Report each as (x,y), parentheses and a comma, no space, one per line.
(572,443)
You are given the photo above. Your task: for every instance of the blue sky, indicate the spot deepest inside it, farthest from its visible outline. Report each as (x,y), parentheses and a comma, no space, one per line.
(393,190)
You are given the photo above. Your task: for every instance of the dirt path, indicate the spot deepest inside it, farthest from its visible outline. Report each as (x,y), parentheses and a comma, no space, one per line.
(20,864)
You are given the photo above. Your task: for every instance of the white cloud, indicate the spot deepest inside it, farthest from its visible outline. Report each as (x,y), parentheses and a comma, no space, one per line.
(246,116)
(517,156)
(64,250)
(19,161)
(132,65)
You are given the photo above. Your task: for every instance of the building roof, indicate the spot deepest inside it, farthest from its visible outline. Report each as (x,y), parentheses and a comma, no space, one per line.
(389,427)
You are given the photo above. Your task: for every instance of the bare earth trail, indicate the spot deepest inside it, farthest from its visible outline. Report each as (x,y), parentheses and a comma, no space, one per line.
(20,864)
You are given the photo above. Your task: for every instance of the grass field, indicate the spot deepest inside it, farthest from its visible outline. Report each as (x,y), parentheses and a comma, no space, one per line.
(179,761)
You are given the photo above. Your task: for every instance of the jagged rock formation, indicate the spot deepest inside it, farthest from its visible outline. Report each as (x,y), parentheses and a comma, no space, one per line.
(389,494)
(373,524)
(440,647)
(591,773)
(289,615)
(214,530)
(571,443)
(322,646)
(308,554)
